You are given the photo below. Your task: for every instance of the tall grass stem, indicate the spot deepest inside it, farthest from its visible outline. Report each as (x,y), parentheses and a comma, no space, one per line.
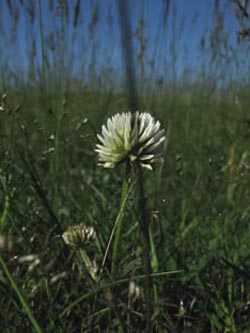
(144,229)
(41,31)
(25,305)
(3,218)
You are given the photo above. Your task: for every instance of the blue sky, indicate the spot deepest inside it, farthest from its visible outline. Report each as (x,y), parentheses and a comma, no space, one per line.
(187,22)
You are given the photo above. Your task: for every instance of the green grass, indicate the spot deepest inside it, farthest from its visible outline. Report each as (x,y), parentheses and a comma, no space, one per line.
(197,205)
(197,198)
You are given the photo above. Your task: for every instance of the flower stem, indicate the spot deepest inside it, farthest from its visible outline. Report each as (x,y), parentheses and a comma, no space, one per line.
(118,222)
(116,230)
(88,264)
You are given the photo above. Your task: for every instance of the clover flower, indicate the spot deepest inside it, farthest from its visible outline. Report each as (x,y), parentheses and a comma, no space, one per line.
(79,234)
(130,137)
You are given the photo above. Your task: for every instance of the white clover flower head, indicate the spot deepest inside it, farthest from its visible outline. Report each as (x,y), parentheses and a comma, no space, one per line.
(130,137)
(79,234)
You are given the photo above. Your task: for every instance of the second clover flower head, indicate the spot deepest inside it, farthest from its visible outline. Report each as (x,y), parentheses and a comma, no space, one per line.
(78,235)
(134,137)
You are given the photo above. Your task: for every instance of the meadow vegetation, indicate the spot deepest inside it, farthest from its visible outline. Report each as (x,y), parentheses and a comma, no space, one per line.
(197,197)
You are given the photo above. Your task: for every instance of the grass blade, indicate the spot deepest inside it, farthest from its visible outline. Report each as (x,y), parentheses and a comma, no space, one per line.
(25,305)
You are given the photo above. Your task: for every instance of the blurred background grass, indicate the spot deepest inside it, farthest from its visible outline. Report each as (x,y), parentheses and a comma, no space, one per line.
(63,73)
